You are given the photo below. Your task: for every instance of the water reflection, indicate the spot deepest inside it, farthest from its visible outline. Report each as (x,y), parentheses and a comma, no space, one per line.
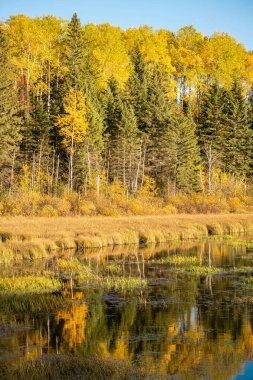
(185,326)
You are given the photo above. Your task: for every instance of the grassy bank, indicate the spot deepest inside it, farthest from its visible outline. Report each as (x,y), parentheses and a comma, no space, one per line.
(35,237)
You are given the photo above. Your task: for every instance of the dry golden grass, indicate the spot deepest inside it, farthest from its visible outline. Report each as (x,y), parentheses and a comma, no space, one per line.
(48,234)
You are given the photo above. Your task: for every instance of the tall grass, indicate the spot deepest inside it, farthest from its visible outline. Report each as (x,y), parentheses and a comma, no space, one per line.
(31,238)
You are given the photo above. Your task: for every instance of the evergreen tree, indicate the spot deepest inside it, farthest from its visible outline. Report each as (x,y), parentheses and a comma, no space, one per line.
(178,155)
(250,109)
(211,120)
(237,137)
(187,159)
(113,116)
(77,56)
(156,120)
(211,130)
(128,149)
(9,121)
(137,88)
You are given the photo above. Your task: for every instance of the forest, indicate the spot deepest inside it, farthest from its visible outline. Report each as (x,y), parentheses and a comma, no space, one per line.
(99,120)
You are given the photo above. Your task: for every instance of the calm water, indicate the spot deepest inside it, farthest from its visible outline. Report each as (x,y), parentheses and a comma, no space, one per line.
(179,327)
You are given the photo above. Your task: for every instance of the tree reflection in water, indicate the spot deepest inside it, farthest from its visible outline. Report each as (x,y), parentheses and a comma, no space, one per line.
(181,324)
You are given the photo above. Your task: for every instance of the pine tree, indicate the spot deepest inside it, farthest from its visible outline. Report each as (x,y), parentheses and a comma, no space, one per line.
(73,53)
(113,115)
(9,120)
(237,137)
(137,88)
(178,155)
(211,130)
(129,149)
(210,121)
(156,120)
(250,109)
(187,159)
(77,56)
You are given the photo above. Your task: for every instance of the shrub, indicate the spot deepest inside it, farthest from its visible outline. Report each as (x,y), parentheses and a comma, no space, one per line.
(48,211)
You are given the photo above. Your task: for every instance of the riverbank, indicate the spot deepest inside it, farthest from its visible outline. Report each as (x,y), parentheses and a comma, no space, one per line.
(36,237)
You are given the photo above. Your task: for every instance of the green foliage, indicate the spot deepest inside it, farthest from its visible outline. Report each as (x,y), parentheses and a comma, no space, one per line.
(9,120)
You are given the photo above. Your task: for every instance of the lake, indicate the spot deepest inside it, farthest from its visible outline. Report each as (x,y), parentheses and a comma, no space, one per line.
(193,318)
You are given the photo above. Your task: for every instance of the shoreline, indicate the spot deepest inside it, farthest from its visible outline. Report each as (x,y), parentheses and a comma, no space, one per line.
(38,237)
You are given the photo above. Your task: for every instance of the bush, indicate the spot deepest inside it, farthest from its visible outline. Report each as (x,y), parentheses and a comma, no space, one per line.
(48,211)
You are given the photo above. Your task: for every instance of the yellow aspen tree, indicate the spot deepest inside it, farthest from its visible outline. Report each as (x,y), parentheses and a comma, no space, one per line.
(73,125)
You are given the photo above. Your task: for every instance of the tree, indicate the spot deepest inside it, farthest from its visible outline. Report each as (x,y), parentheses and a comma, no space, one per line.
(137,87)
(9,119)
(178,155)
(211,130)
(74,54)
(187,159)
(237,133)
(109,53)
(128,149)
(155,120)
(72,126)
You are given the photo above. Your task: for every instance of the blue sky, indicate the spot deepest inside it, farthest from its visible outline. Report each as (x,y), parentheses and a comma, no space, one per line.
(208,16)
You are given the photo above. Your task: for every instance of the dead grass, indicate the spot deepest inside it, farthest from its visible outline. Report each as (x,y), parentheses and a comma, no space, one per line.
(36,235)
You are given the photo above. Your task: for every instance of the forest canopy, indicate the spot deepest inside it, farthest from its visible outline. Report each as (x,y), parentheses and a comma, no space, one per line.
(96,112)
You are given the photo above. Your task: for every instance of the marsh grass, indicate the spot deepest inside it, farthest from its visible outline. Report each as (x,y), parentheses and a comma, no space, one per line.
(205,270)
(29,284)
(31,303)
(123,283)
(197,270)
(108,277)
(36,237)
(113,269)
(108,282)
(70,367)
(177,260)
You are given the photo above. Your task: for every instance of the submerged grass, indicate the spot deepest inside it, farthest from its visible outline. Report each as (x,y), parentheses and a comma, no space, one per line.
(108,278)
(70,367)
(30,303)
(205,270)
(116,283)
(197,270)
(177,260)
(29,284)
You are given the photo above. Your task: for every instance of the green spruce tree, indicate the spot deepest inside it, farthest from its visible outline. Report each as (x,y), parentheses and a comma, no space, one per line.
(9,119)
(237,137)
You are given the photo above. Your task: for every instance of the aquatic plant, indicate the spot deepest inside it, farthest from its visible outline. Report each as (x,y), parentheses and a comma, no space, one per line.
(177,260)
(29,284)
(70,367)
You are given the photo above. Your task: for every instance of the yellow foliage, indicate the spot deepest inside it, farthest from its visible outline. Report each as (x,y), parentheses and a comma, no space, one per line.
(73,125)
(48,210)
